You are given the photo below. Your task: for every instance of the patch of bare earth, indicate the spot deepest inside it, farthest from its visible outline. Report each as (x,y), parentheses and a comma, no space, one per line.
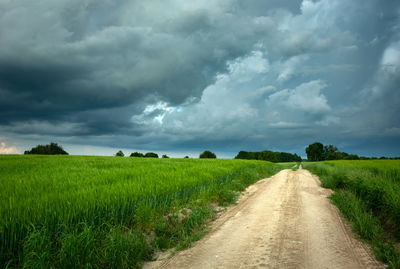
(285,221)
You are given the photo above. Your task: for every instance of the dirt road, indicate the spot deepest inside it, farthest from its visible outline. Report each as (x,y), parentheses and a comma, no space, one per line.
(285,221)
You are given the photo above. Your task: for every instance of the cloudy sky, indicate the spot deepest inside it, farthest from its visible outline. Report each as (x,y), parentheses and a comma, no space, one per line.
(179,77)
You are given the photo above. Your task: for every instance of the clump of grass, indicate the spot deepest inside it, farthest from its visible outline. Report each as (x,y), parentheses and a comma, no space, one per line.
(124,248)
(171,232)
(367,226)
(77,247)
(38,249)
(368,194)
(363,221)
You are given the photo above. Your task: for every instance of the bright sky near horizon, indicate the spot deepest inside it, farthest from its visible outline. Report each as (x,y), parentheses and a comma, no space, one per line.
(178,77)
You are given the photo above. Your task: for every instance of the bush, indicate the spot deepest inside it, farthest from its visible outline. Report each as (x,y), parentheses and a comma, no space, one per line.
(50,149)
(151,155)
(165,157)
(120,154)
(207,155)
(137,154)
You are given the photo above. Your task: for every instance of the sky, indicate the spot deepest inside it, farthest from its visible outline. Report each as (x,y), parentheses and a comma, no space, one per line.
(178,77)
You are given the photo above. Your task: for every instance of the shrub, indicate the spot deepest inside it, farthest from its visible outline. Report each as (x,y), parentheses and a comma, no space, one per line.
(137,154)
(151,155)
(120,154)
(207,155)
(165,156)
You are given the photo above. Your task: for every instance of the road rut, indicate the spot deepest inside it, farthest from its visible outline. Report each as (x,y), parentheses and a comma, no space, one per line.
(285,221)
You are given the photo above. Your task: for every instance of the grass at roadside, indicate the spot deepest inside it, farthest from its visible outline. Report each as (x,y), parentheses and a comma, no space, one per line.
(110,212)
(368,194)
(295,166)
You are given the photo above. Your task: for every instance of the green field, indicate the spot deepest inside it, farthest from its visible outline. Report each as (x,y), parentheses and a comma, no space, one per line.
(368,194)
(110,212)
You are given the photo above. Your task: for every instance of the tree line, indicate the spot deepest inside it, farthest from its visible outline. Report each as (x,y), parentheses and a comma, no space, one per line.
(205,155)
(140,155)
(315,152)
(319,152)
(271,156)
(55,149)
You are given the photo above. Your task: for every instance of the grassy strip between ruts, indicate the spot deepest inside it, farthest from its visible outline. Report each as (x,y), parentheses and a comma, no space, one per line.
(296,166)
(367,194)
(110,212)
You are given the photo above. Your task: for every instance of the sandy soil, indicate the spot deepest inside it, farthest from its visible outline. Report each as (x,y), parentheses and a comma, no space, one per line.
(285,221)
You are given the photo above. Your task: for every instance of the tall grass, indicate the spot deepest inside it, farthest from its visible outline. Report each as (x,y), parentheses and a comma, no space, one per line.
(368,194)
(107,212)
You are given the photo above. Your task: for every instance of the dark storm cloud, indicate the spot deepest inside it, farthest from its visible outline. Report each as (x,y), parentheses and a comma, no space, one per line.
(57,59)
(79,57)
(187,74)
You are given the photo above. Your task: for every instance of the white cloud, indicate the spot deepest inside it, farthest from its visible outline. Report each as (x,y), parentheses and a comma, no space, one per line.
(391,58)
(306,97)
(242,69)
(387,75)
(154,113)
(289,67)
(233,105)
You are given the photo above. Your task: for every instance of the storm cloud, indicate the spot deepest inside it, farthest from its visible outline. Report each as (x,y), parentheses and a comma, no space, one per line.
(182,76)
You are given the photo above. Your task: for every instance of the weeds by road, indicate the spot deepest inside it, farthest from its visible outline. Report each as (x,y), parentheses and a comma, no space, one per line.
(368,194)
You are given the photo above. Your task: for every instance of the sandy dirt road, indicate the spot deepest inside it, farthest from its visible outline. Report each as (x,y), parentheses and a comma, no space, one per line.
(285,221)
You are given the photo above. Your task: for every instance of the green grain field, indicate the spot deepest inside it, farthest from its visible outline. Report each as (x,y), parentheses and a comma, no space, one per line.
(368,194)
(110,212)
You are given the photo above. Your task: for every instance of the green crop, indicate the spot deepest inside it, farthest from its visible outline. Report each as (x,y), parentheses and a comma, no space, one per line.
(73,211)
(368,194)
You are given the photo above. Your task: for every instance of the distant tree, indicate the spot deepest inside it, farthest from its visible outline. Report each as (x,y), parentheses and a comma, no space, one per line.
(186,157)
(50,149)
(137,154)
(270,156)
(352,157)
(242,155)
(319,152)
(207,155)
(120,154)
(165,157)
(315,152)
(151,155)
(342,155)
(330,153)
(298,158)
